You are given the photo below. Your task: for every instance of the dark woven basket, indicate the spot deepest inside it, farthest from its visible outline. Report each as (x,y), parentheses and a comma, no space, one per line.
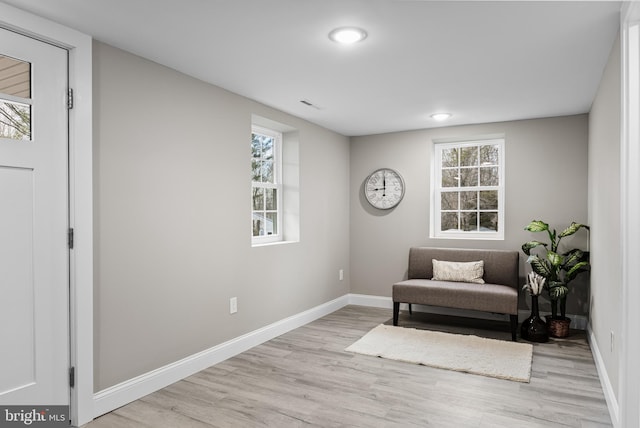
(558,327)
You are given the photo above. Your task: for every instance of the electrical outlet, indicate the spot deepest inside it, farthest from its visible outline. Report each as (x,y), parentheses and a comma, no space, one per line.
(233,305)
(341,274)
(612,338)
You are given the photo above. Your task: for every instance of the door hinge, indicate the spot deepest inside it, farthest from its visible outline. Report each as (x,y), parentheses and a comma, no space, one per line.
(70,98)
(70,239)
(72,377)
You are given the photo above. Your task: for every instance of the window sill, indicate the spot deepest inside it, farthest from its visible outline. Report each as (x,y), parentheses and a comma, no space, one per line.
(270,244)
(473,237)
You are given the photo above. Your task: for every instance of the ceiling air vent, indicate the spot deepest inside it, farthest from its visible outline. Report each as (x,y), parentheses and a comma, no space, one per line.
(310,104)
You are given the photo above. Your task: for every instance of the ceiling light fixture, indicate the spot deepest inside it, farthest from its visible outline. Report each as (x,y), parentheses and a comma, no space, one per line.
(348,35)
(441,116)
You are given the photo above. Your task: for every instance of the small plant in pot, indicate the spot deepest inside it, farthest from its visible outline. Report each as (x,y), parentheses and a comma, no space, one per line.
(559,269)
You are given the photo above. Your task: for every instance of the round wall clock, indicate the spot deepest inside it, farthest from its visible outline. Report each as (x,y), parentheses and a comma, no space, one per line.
(384,188)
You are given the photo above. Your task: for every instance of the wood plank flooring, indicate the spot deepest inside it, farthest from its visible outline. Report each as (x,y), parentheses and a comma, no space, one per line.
(304,378)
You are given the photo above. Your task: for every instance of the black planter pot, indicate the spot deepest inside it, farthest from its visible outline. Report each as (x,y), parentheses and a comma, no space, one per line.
(534,329)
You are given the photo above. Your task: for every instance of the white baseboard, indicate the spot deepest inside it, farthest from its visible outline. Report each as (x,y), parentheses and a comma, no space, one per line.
(118,395)
(372,301)
(387,303)
(577,321)
(609,395)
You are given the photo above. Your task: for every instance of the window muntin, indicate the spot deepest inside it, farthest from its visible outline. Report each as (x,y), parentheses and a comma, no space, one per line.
(468,190)
(266,185)
(15,99)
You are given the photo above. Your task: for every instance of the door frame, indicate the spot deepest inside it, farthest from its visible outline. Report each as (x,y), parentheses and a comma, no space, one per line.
(629,390)
(79,46)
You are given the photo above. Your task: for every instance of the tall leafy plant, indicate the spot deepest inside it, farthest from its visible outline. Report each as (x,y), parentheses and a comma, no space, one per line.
(559,269)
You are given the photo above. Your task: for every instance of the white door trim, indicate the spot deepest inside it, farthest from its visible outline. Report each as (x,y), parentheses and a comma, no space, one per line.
(80,195)
(629,373)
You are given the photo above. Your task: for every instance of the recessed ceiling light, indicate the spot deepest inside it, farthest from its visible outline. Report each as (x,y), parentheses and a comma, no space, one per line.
(348,35)
(441,116)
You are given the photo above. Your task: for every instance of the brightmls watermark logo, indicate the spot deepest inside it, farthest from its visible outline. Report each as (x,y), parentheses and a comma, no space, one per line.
(34,416)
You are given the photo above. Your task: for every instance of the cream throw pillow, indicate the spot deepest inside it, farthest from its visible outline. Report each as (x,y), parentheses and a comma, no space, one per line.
(458,271)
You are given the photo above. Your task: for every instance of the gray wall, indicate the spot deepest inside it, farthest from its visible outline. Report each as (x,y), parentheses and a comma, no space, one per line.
(546,179)
(172,219)
(604,215)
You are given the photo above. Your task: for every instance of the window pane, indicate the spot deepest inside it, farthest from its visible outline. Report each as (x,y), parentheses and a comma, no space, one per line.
(450,178)
(258,224)
(489,176)
(489,200)
(267,148)
(468,177)
(468,200)
(256,146)
(15,77)
(489,155)
(489,222)
(258,199)
(15,120)
(256,170)
(469,156)
(271,200)
(469,221)
(449,201)
(262,146)
(267,172)
(449,157)
(449,221)
(271,224)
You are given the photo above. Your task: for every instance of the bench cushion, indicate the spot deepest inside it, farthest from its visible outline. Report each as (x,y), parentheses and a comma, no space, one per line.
(480,297)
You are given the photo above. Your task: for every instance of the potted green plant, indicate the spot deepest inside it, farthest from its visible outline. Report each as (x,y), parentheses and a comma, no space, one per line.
(559,269)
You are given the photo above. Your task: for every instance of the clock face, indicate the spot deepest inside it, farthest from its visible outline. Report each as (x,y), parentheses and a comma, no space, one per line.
(384,188)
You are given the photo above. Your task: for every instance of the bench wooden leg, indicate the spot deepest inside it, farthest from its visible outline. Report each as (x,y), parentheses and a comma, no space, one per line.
(514,326)
(396,311)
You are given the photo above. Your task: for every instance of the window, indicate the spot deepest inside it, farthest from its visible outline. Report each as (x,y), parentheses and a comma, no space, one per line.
(468,190)
(266,185)
(15,99)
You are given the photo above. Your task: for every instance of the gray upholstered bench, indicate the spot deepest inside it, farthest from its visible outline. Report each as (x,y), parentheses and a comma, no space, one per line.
(499,293)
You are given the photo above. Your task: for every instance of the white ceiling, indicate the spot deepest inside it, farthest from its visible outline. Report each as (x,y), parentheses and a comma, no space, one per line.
(481,61)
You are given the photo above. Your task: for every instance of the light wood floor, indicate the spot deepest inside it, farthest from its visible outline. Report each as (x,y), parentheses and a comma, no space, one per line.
(305,378)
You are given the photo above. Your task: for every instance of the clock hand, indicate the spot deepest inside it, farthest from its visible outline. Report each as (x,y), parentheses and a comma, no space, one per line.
(384,184)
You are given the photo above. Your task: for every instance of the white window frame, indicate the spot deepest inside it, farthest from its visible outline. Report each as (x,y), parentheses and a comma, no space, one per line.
(436,190)
(277,175)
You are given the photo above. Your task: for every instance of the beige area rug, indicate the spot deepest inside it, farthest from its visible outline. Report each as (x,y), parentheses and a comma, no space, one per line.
(470,354)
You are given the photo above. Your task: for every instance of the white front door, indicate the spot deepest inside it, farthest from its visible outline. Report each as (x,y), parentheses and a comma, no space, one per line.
(34,252)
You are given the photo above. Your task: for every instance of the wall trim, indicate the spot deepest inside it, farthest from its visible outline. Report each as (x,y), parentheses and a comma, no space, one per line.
(130,390)
(578,322)
(629,351)
(605,382)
